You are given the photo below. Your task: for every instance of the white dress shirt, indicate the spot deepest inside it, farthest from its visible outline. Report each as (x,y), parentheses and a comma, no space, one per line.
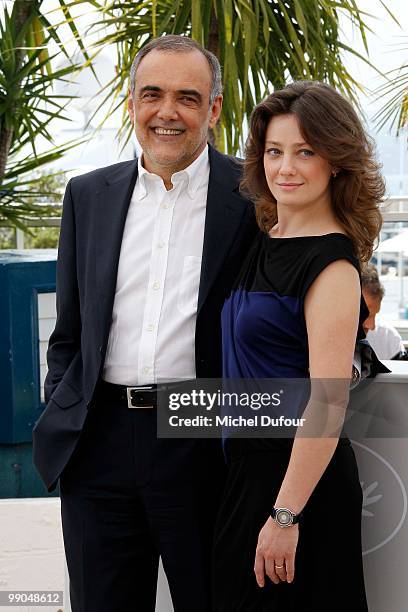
(385,340)
(152,332)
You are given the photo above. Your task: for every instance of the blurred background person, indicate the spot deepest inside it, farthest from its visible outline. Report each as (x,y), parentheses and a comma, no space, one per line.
(383,337)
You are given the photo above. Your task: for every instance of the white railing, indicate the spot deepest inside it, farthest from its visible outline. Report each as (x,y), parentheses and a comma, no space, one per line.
(395,209)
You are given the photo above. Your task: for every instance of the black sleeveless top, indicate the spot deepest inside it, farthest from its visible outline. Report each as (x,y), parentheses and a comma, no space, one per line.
(264,331)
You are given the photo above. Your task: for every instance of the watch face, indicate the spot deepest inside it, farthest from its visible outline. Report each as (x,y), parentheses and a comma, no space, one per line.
(283,517)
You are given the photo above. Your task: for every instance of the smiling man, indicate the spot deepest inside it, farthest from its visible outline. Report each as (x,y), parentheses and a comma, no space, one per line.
(149,250)
(172,105)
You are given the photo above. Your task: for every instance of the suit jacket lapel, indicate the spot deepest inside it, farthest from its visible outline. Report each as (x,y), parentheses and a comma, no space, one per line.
(225,209)
(114,199)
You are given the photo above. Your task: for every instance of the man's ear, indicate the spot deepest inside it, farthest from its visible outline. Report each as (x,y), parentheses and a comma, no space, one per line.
(215,111)
(131,108)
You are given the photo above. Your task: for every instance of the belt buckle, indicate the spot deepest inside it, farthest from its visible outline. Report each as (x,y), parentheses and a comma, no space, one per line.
(129,396)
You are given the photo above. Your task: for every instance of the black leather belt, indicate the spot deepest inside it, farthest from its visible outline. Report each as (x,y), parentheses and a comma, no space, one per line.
(140,397)
(143,396)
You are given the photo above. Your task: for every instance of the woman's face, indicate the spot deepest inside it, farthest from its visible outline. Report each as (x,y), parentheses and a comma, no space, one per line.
(295,174)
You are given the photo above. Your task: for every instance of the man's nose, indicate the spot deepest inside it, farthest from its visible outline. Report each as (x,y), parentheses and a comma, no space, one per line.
(167,110)
(287,166)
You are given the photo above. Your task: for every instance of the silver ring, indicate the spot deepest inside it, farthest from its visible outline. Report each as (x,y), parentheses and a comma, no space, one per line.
(279,566)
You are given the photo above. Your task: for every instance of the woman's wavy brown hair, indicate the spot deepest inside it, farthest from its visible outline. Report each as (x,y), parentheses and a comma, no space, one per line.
(330,125)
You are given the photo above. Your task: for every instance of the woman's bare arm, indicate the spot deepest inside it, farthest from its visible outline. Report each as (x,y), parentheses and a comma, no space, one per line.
(331,312)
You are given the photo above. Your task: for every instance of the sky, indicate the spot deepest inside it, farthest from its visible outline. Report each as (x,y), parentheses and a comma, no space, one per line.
(385,44)
(388,50)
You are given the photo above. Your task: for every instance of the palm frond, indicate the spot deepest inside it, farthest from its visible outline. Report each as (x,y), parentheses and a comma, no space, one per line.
(28,102)
(261,44)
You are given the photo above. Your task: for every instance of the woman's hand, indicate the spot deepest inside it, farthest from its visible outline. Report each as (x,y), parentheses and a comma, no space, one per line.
(275,552)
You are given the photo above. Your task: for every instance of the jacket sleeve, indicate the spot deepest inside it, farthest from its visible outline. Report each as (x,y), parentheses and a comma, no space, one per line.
(64,342)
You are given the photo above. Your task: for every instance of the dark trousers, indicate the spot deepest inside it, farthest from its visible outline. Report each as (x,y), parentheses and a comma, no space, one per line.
(128,498)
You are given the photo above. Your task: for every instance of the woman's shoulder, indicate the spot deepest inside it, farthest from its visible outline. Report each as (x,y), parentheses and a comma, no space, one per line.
(302,258)
(326,250)
(289,265)
(331,247)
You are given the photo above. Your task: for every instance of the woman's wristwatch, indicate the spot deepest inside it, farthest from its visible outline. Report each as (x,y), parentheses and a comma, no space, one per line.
(285,517)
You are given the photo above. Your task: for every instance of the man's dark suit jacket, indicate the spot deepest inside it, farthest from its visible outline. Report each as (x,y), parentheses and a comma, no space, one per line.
(94,214)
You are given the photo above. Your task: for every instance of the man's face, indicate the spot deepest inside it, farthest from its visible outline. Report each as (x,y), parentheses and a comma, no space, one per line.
(373,304)
(170,109)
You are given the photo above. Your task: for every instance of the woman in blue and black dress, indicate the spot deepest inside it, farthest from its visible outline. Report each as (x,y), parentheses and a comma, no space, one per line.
(289,530)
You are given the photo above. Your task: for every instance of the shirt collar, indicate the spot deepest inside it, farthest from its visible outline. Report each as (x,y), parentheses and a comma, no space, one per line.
(193,176)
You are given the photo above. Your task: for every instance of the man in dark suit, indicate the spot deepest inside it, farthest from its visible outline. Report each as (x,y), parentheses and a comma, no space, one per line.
(148,252)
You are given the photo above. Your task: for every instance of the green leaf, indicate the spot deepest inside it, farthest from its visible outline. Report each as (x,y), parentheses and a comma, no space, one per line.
(71,23)
(228,19)
(196,21)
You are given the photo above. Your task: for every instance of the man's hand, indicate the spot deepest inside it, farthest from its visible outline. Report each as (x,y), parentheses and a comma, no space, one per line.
(275,553)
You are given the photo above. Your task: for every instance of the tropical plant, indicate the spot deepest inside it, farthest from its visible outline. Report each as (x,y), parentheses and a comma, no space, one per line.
(394,112)
(49,189)
(7,238)
(28,105)
(23,195)
(261,45)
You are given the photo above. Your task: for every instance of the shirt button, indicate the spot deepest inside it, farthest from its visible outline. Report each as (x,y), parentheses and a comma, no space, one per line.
(165,205)
(161,245)
(156,286)
(150,327)
(146,370)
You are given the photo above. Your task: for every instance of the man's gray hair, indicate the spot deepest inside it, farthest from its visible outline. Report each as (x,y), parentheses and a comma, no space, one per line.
(370,282)
(179,44)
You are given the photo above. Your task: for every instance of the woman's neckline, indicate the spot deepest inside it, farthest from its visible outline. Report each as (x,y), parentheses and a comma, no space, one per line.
(308,236)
